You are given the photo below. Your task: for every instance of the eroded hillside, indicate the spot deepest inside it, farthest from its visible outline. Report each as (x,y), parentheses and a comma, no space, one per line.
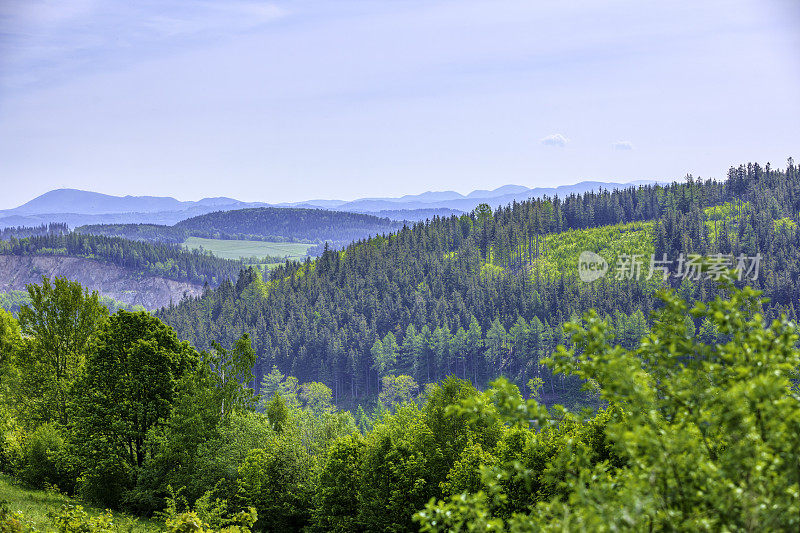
(122,284)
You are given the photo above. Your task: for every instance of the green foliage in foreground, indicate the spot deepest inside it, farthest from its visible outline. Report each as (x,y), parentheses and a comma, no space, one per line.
(59,324)
(13,301)
(27,510)
(130,382)
(707,435)
(697,431)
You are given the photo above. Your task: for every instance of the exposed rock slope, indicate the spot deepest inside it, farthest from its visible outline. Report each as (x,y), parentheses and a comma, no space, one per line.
(122,284)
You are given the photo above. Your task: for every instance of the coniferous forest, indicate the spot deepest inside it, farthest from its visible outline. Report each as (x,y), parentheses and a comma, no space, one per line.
(21,232)
(278,224)
(456,375)
(486,294)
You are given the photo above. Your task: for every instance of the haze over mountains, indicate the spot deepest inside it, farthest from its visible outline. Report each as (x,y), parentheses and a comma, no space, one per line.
(76,207)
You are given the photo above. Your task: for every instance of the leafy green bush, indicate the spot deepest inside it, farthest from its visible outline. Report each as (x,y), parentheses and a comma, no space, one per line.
(396,474)
(707,437)
(45,458)
(208,516)
(73,519)
(10,521)
(336,496)
(218,458)
(277,481)
(11,442)
(465,475)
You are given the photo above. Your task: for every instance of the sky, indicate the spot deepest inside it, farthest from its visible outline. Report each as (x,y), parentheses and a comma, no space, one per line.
(303,99)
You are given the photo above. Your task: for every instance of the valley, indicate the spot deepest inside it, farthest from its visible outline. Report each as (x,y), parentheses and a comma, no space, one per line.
(243,249)
(437,350)
(395,267)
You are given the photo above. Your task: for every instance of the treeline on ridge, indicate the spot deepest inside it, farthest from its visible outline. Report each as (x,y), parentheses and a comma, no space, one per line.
(155,233)
(160,259)
(276,224)
(20,232)
(469,295)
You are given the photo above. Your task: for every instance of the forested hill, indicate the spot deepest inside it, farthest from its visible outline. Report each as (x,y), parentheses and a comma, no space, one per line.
(486,294)
(155,233)
(164,260)
(262,223)
(296,224)
(20,232)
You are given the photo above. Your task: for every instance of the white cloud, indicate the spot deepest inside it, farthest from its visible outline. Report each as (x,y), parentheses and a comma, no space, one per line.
(555,139)
(623,145)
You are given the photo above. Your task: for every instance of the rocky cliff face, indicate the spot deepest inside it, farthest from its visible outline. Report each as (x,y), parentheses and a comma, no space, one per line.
(122,284)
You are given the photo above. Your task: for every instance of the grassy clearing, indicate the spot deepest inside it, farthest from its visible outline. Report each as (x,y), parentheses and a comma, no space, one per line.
(561,250)
(726,211)
(34,505)
(732,214)
(245,249)
(785,223)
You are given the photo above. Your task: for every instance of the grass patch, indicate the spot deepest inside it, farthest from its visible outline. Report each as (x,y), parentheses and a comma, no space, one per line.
(561,250)
(227,249)
(264,267)
(34,505)
(785,223)
(726,211)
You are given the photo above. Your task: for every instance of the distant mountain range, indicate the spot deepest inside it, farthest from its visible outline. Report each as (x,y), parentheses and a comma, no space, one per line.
(459,202)
(76,207)
(94,203)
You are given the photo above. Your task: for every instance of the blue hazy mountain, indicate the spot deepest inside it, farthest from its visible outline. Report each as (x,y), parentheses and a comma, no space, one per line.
(95,203)
(76,207)
(455,201)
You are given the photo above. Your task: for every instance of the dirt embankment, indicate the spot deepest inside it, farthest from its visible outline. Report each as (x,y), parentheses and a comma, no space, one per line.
(122,284)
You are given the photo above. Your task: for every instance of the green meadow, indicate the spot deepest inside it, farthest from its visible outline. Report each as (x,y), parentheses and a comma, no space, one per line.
(32,507)
(229,249)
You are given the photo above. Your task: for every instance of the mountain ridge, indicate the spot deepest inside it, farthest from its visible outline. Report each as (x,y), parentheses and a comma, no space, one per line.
(89,207)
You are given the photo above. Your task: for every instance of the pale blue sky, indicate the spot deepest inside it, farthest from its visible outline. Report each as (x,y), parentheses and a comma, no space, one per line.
(292,100)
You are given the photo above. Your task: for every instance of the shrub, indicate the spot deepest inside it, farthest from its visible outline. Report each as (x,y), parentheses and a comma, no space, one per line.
(276,480)
(11,445)
(73,519)
(207,516)
(10,521)
(45,461)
